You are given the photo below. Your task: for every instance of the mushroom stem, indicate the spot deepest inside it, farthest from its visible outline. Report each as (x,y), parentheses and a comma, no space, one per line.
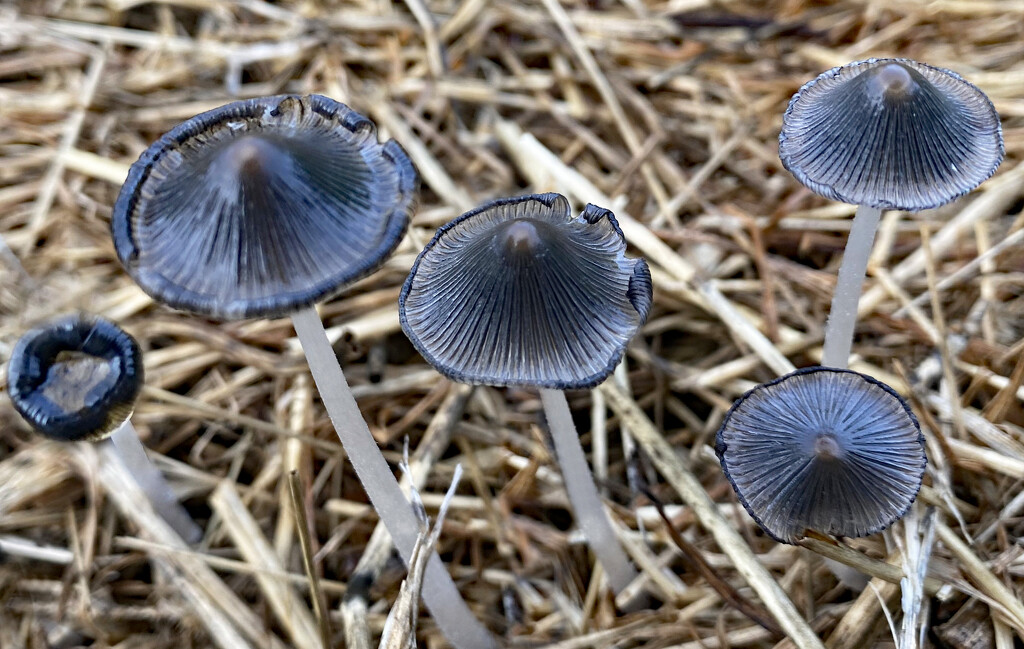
(586,502)
(439,592)
(842,317)
(131,451)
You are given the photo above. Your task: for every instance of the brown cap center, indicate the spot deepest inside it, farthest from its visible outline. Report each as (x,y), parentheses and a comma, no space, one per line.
(827,448)
(892,81)
(72,379)
(520,238)
(250,156)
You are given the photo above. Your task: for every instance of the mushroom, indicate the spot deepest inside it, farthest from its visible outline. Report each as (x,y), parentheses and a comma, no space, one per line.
(885,134)
(519,293)
(822,449)
(76,378)
(262,208)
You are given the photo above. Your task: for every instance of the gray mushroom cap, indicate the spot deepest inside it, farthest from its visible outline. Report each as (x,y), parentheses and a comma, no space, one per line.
(518,292)
(891,134)
(262,207)
(822,449)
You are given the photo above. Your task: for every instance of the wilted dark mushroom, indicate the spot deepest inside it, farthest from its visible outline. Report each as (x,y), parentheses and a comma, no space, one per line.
(822,449)
(885,134)
(261,208)
(520,293)
(76,378)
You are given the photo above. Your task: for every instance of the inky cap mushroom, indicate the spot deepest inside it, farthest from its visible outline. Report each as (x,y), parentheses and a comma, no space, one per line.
(75,378)
(822,449)
(262,207)
(518,292)
(891,134)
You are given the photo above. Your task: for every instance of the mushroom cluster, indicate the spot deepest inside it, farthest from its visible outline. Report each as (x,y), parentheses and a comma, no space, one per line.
(265,207)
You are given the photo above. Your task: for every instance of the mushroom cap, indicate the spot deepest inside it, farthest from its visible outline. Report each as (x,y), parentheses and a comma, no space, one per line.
(75,378)
(822,449)
(891,134)
(519,293)
(262,207)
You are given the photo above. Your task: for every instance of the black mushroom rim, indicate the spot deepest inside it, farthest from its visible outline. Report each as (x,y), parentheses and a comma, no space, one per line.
(75,378)
(262,207)
(822,449)
(891,134)
(518,292)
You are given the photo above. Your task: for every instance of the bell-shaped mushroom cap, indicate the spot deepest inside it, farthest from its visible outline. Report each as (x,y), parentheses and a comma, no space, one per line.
(262,207)
(518,292)
(822,449)
(891,134)
(75,378)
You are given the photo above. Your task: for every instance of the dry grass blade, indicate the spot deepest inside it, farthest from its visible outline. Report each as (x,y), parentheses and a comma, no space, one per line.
(848,556)
(916,547)
(319,603)
(982,576)
(722,587)
(400,627)
(857,628)
(72,130)
(27,475)
(214,604)
(245,532)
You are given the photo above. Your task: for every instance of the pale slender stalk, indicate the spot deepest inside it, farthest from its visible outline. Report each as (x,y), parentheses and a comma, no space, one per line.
(127,444)
(583,496)
(842,317)
(439,592)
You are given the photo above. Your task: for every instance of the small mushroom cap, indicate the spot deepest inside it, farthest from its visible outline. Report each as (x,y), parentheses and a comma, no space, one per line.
(518,292)
(891,134)
(822,449)
(262,207)
(75,378)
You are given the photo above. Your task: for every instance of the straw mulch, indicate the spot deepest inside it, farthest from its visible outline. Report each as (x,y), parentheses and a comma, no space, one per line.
(667,112)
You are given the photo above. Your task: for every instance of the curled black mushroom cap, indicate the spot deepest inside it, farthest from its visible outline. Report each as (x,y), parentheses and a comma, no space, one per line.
(262,207)
(891,134)
(822,449)
(518,292)
(75,378)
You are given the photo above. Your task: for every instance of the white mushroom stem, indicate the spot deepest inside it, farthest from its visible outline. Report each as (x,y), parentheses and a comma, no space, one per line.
(583,495)
(842,317)
(131,451)
(441,596)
